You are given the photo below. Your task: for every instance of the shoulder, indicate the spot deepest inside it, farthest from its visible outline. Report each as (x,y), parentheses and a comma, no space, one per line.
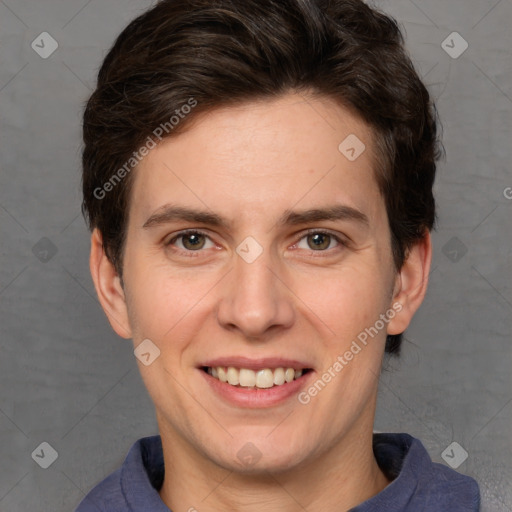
(134,482)
(418,483)
(106,496)
(444,487)
(438,486)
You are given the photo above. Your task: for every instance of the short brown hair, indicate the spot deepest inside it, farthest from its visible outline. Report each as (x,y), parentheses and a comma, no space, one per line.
(224,52)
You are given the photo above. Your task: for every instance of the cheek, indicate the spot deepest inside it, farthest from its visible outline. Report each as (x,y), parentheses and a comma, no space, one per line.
(163,300)
(346,300)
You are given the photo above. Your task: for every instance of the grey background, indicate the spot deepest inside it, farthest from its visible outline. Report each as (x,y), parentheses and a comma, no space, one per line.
(68,380)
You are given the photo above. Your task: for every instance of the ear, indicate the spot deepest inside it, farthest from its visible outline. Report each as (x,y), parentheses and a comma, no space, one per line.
(411,284)
(108,287)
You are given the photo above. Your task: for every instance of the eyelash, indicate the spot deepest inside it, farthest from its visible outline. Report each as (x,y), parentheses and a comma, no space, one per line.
(195,254)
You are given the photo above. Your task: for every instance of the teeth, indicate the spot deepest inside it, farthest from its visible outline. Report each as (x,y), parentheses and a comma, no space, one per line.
(222,374)
(247,378)
(279,379)
(263,379)
(233,376)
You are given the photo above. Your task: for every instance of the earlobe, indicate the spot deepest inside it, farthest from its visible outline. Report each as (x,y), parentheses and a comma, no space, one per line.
(411,284)
(108,287)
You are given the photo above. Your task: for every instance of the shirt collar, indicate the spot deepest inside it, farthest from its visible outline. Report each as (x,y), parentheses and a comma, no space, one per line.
(142,475)
(400,456)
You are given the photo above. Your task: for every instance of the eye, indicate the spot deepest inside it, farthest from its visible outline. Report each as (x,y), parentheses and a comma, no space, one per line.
(191,241)
(319,241)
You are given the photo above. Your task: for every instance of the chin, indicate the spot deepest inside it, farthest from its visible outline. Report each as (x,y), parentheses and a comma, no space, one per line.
(259,458)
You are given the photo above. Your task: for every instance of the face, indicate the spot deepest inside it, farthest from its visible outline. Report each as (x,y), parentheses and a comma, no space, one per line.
(254,243)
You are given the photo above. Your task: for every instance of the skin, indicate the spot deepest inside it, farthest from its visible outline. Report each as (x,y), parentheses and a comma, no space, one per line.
(250,164)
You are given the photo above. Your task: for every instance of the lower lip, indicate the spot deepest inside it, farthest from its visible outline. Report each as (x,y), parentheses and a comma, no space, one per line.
(256,397)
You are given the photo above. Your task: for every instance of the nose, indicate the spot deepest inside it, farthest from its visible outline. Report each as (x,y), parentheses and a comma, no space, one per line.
(255,299)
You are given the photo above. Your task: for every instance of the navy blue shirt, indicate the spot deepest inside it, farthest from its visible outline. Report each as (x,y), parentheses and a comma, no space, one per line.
(418,484)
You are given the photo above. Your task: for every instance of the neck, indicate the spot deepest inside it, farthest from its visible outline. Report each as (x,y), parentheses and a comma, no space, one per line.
(340,478)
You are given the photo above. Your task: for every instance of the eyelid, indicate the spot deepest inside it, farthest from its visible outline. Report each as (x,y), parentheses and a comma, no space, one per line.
(342,240)
(186,232)
(335,234)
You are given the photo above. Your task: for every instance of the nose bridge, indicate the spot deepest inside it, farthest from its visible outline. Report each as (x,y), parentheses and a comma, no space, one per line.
(255,298)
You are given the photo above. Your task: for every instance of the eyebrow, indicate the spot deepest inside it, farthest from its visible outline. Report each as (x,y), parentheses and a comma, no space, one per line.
(169,213)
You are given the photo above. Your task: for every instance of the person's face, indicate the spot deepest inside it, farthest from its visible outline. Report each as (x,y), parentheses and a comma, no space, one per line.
(210,298)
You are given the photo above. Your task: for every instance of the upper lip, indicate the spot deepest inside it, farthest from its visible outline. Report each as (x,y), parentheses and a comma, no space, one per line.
(256,364)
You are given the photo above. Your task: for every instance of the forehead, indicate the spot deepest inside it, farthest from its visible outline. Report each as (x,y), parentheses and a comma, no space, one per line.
(263,156)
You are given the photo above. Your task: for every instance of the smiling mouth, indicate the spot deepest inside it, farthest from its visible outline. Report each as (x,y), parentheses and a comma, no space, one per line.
(262,379)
